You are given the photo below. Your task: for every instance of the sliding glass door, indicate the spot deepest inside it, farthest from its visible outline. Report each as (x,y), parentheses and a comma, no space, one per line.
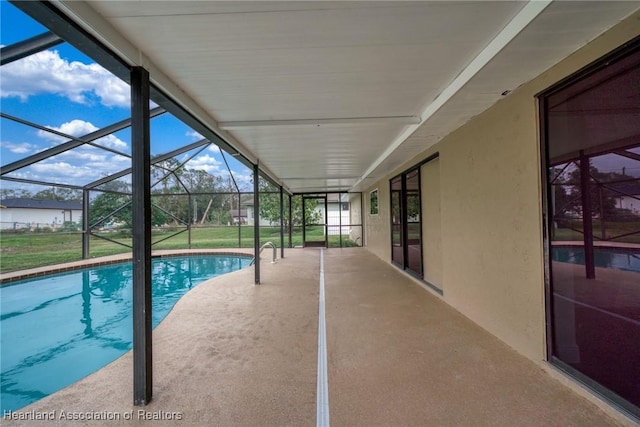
(406,225)
(592,134)
(397,223)
(414,224)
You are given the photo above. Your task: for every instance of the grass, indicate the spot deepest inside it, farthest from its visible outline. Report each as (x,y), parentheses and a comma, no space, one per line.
(29,250)
(612,229)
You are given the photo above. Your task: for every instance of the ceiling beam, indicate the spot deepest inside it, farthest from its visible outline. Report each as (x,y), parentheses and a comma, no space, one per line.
(526,15)
(28,47)
(400,120)
(154,161)
(71,144)
(628,154)
(41,183)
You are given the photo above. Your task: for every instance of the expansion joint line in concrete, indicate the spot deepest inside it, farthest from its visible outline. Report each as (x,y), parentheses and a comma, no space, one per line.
(322,392)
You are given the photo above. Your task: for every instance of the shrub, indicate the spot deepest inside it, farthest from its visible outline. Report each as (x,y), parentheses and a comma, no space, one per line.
(69,226)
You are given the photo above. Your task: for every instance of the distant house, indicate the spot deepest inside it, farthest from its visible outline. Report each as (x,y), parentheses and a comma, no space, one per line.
(628,197)
(239,216)
(28,213)
(248,216)
(338,211)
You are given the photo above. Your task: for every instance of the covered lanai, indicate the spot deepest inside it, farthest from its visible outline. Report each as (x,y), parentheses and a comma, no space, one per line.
(487,154)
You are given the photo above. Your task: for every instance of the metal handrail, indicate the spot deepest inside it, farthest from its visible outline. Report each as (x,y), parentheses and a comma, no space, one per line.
(275,251)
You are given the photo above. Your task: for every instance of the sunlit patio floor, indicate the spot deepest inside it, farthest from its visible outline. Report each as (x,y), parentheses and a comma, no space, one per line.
(235,354)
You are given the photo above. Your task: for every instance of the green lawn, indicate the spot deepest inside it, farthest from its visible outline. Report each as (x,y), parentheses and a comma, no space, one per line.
(28,250)
(612,229)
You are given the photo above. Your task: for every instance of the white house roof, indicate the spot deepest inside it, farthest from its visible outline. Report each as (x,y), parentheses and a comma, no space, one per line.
(40,204)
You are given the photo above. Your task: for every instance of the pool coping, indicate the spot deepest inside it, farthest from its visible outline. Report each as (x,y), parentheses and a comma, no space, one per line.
(30,273)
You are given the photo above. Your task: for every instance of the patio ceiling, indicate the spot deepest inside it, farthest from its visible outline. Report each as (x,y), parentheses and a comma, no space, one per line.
(331,96)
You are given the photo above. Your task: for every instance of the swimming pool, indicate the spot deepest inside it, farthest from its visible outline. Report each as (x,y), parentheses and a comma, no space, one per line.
(621,259)
(59,328)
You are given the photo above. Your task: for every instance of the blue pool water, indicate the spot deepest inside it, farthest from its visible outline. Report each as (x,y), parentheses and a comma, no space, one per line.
(607,258)
(59,328)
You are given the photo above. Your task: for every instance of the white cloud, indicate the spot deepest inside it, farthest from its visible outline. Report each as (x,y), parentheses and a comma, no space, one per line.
(78,166)
(47,73)
(214,148)
(194,135)
(22,148)
(79,128)
(62,172)
(244,180)
(99,160)
(87,157)
(206,163)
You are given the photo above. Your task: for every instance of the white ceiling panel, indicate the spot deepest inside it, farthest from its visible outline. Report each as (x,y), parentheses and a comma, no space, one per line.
(543,44)
(352,67)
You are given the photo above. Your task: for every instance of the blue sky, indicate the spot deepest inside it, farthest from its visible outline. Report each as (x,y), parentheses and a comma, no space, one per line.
(63,89)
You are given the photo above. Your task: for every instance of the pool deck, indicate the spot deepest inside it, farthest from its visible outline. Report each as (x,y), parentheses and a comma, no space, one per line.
(234,354)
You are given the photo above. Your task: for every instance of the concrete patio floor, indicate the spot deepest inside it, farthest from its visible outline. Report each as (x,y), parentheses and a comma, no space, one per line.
(234,354)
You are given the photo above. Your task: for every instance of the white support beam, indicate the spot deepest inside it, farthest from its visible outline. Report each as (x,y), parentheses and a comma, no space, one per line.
(400,120)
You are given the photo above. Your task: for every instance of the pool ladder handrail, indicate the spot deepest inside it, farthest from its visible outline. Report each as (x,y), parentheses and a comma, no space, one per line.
(275,252)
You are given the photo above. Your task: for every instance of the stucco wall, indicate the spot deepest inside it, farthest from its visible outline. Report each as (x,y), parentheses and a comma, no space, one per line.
(377,230)
(431,223)
(490,200)
(355,217)
(491,232)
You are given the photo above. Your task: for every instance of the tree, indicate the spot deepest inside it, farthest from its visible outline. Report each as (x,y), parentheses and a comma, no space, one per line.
(225,201)
(205,188)
(270,209)
(60,194)
(169,184)
(603,191)
(109,208)
(179,194)
(312,215)
(114,205)
(603,202)
(10,193)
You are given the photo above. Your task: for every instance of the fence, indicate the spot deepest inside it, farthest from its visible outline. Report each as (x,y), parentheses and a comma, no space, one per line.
(37,227)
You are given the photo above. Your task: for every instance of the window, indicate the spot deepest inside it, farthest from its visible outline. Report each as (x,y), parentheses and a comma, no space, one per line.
(373,202)
(591,126)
